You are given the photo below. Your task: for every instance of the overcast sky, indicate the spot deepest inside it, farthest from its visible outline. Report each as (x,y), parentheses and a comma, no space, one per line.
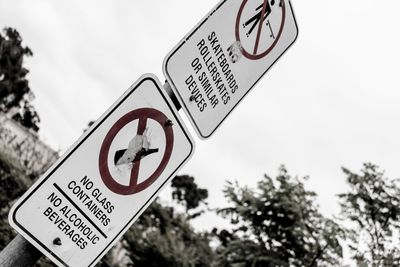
(331,101)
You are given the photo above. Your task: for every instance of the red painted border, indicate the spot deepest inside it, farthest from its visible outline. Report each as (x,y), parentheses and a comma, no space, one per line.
(142,115)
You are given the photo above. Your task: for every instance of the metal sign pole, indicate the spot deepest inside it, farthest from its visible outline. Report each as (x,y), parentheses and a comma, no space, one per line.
(19,252)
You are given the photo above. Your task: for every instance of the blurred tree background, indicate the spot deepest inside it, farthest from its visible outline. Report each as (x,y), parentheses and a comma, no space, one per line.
(372,205)
(276,224)
(15,93)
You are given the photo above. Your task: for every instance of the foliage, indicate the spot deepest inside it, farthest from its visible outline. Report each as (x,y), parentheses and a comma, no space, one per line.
(373,206)
(15,92)
(164,237)
(277,225)
(187,193)
(10,189)
(7,234)
(27,116)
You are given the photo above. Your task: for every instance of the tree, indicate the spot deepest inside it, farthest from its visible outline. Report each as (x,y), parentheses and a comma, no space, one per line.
(187,193)
(278,224)
(372,205)
(164,237)
(10,189)
(15,93)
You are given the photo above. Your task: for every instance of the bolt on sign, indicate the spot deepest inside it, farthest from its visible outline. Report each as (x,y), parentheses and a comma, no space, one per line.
(225,55)
(102,184)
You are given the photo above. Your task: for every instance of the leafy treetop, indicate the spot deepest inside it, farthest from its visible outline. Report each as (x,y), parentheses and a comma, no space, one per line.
(15,93)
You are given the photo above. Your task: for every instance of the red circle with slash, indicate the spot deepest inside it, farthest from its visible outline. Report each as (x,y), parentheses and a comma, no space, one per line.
(256,54)
(134,187)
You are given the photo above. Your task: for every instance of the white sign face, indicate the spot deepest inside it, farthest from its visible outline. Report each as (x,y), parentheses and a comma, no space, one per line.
(224,56)
(95,192)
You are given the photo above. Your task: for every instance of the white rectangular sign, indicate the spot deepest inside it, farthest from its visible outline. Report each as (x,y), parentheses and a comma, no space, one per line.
(224,56)
(94,193)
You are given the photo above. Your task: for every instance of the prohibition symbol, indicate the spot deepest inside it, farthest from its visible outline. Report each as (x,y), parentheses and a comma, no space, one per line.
(259,25)
(134,187)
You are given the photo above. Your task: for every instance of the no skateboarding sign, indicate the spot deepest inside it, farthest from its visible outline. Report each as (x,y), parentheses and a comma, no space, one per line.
(95,192)
(224,56)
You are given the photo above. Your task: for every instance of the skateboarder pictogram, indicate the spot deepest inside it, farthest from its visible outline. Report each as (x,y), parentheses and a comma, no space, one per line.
(257,17)
(259,26)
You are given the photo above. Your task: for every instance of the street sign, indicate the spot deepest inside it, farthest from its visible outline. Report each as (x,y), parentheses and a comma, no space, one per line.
(225,55)
(94,193)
